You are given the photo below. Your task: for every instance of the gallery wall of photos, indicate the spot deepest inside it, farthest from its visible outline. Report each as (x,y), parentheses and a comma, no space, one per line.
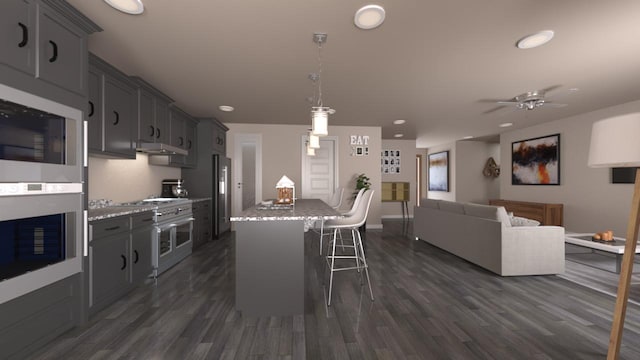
(390,162)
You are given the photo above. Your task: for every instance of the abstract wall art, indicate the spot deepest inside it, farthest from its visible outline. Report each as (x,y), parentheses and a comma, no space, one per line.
(439,171)
(536,161)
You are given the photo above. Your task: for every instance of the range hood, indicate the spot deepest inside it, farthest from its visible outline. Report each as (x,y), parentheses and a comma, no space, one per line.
(160,149)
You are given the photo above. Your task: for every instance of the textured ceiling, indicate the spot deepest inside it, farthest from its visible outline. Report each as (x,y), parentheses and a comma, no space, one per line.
(432,63)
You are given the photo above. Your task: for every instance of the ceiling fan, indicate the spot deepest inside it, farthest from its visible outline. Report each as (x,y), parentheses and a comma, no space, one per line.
(528,101)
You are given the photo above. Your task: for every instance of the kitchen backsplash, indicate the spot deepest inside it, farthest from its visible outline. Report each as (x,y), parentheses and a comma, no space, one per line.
(127,180)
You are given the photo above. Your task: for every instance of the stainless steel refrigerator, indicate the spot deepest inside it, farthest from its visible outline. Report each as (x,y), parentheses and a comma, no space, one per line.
(221,195)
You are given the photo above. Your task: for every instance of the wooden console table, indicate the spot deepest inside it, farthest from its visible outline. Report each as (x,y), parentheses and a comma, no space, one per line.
(397,191)
(547,214)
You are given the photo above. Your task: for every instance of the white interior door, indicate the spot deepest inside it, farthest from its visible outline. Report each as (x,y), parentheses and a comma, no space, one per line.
(247,174)
(319,172)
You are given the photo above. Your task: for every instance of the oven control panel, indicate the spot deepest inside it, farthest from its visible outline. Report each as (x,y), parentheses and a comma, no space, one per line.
(37,188)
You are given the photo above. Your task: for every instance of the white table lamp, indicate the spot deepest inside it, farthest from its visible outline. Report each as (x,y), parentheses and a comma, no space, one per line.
(614,143)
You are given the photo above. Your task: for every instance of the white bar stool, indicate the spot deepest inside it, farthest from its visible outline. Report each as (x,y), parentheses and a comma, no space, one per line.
(352,223)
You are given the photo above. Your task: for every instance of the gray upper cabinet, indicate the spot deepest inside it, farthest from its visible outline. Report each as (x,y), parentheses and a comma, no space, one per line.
(119,117)
(219,138)
(153,113)
(43,49)
(191,143)
(113,95)
(18,35)
(62,52)
(177,120)
(94,111)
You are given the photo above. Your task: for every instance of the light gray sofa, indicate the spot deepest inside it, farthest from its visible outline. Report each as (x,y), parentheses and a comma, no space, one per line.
(483,235)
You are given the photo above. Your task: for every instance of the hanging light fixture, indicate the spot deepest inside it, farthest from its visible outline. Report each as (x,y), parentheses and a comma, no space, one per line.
(319,112)
(314,141)
(310,151)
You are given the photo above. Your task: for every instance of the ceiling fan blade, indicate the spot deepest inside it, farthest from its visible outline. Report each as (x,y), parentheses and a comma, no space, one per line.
(557,105)
(550,88)
(492,110)
(507,102)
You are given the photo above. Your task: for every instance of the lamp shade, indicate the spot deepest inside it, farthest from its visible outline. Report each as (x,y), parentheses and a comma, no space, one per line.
(615,143)
(314,141)
(319,121)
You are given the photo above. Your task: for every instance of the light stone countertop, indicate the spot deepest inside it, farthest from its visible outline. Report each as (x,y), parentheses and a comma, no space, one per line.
(114,211)
(304,209)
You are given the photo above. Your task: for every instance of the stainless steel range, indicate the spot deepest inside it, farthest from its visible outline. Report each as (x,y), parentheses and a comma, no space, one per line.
(172,235)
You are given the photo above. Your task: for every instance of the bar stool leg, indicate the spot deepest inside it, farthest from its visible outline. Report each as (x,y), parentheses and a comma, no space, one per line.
(333,261)
(366,268)
(355,250)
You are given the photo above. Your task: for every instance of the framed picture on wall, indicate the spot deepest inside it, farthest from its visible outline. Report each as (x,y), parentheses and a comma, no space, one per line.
(390,161)
(438,168)
(536,161)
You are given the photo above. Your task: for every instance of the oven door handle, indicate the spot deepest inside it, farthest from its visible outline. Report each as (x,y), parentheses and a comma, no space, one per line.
(182,222)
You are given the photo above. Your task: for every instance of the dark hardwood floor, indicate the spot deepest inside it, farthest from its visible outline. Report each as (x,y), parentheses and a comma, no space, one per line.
(428,305)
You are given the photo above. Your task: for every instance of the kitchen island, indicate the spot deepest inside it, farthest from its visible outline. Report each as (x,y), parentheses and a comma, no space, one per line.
(270,256)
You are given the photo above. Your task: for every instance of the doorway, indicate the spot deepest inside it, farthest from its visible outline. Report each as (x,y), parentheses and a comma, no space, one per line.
(320,172)
(247,176)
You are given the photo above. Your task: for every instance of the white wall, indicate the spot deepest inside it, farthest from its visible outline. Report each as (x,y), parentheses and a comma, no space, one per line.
(443,195)
(127,180)
(407,173)
(471,184)
(591,202)
(281,155)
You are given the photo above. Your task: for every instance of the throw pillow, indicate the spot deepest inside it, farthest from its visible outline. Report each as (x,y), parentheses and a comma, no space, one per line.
(520,221)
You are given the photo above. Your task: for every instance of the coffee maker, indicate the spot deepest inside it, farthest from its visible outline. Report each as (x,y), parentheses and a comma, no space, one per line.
(174,188)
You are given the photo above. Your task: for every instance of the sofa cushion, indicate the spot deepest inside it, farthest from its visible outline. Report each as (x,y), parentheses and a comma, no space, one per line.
(451,206)
(522,221)
(491,212)
(429,203)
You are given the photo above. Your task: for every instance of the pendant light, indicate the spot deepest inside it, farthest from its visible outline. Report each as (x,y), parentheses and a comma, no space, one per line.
(319,112)
(314,141)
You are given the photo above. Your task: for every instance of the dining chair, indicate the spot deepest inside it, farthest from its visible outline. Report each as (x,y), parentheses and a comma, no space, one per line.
(351,223)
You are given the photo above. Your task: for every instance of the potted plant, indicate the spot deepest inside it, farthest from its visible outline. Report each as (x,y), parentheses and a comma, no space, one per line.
(362,182)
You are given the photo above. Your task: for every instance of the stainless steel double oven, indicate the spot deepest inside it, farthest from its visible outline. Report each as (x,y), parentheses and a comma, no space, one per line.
(42,221)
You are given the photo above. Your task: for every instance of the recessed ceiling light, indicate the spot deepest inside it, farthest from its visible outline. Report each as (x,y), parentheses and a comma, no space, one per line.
(535,40)
(226,108)
(369,17)
(399,122)
(468,137)
(133,7)
(398,135)
(506,124)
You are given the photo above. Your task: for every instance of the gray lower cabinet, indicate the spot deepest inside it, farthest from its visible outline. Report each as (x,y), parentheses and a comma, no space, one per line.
(108,258)
(112,97)
(202,224)
(119,257)
(31,321)
(140,255)
(43,49)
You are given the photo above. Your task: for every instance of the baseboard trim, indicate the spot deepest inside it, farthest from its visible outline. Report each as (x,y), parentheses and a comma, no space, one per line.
(395,217)
(374,226)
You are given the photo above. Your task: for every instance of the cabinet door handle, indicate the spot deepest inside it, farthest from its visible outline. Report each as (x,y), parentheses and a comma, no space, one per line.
(117,118)
(112,228)
(189,144)
(91,109)
(135,252)
(25,35)
(153,131)
(157,133)
(54,46)
(124,262)
(181,140)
